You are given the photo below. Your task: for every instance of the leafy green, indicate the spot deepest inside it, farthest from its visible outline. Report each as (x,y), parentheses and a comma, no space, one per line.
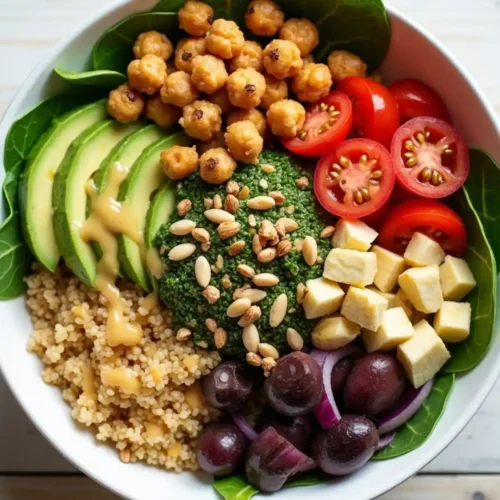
(113,51)
(416,431)
(100,78)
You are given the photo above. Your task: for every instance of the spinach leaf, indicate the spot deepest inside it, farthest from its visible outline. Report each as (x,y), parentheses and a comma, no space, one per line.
(100,78)
(113,51)
(416,431)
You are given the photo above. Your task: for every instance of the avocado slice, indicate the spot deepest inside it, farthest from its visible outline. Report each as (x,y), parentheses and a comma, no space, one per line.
(70,198)
(35,188)
(144,179)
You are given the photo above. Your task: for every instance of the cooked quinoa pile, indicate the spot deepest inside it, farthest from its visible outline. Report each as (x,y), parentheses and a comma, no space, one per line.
(145,399)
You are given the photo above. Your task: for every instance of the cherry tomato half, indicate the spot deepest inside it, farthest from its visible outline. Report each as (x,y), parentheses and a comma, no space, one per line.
(415,98)
(430,158)
(328,122)
(429,217)
(355,179)
(375,110)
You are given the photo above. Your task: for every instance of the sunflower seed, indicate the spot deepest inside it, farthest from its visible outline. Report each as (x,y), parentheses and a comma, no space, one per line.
(181,252)
(268,351)
(251,338)
(294,339)
(261,203)
(278,311)
(202,271)
(266,279)
(182,227)
(238,308)
(218,216)
(310,250)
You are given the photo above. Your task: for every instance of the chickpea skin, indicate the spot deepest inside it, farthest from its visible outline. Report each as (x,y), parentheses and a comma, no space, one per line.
(125,104)
(216,166)
(217,141)
(249,57)
(225,39)
(286,118)
(179,162)
(245,88)
(147,74)
(201,120)
(179,90)
(221,98)
(244,141)
(313,82)
(282,59)
(254,115)
(164,115)
(208,73)
(343,64)
(196,18)
(302,33)
(187,49)
(155,43)
(264,17)
(276,90)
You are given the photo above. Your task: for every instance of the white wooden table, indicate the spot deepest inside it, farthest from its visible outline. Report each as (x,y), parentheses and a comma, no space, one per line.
(30,468)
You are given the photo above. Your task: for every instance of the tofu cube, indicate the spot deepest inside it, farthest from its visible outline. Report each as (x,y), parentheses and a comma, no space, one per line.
(423,355)
(395,329)
(391,297)
(364,307)
(334,332)
(452,321)
(351,267)
(421,285)
(423,251)
(456,278)
(389,267)
(323,297)
(403,301)
(353,234)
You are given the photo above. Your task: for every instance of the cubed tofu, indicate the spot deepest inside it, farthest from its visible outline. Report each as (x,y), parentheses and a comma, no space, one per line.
(334,332)
(403,301)
(391,297)
(452,321)
(423,355)
(395,329)
(389,266)
(353,234)
(456,278)
(423,251)
(364,307)
(351,267)
(421,285)
(323,297)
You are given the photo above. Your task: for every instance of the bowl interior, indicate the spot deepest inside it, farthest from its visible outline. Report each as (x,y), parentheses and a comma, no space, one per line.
(412,54)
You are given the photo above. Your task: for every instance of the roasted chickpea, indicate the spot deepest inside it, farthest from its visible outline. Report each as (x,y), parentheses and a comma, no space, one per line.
(147,74)
(249,57)
(225,39)
(187,49)
(343,64)
(245,88)
(286,118)
(221,99)
(244,141)
(313,82)
(208,73)
(264,17)
(125,104)
(179,162)
(164,115)
(308,59)
(216,166)
(201,120)
(196,17)
(153,42)
(217,141)
(254,115)
(282,59)
(276,90)
(302,33)
(178,89)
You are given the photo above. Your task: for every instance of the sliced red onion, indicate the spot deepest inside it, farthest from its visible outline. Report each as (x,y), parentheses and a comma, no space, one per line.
(327,412)
(385,440)
(246,429)
(410,405)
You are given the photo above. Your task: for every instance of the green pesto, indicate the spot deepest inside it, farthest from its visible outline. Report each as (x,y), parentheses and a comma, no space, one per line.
(178,287)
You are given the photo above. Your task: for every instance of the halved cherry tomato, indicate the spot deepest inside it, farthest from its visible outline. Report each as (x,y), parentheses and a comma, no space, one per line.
(430,158)
(415,98)
(355,179)
(429,217)
(328,122)
(375,110)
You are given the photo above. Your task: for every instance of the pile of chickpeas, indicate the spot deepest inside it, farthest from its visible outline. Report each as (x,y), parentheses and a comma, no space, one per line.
(215,73)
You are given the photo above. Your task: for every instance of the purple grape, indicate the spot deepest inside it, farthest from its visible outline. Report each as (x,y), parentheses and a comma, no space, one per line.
(340,373)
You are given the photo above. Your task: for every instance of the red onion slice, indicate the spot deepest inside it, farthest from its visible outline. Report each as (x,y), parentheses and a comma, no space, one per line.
(410,405)
(246,429)
(385,440)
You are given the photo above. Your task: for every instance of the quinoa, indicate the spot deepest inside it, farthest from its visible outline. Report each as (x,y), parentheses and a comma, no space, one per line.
(159,422)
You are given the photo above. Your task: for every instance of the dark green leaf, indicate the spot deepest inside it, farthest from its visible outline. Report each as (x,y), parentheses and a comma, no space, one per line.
(100,78)
(113,51)
(234,487)
(416,431)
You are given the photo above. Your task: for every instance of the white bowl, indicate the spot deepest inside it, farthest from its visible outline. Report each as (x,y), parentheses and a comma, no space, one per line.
(414,53)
